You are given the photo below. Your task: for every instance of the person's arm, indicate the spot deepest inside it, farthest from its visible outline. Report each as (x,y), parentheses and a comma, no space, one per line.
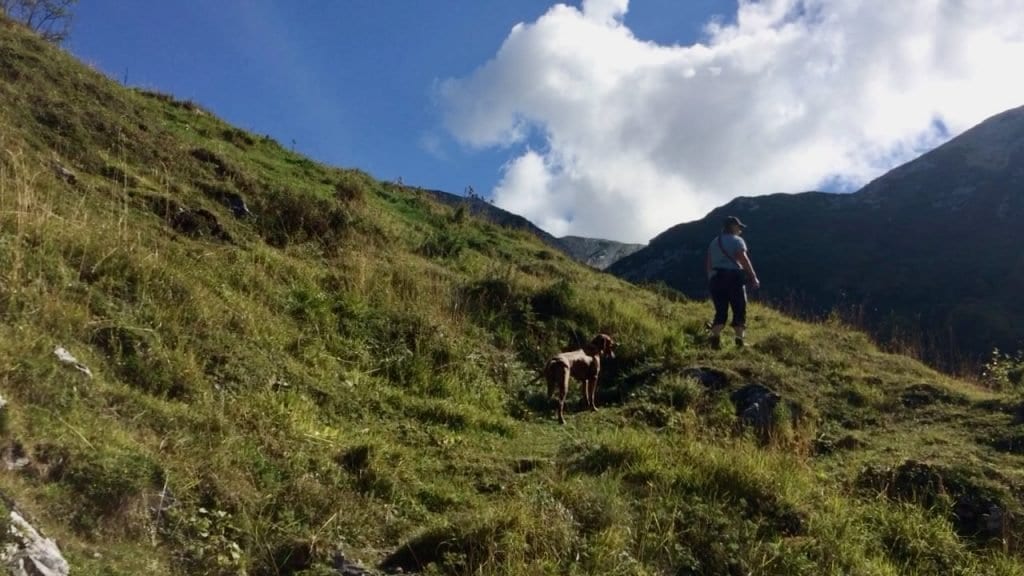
(707,264)
(744,261)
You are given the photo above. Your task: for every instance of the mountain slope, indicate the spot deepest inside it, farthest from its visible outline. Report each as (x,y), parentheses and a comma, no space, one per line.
(596,252)
(925,254)
(481,208)
(593,252)
(292,362)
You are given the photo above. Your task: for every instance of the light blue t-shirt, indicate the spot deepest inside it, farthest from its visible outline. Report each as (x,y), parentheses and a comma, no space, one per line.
(733,245)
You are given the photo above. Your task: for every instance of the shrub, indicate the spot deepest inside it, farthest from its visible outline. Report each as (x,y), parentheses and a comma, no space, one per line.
(555,301)
(787,349)
(104,482)
(290,218)
(361,462)
(914,537)
(239,138)
(678,391)
(538,538)
(1004,371)
(140,360)
(311,306)
(207,541)
(445,244)
(222,167)
(168,99)
(351,186)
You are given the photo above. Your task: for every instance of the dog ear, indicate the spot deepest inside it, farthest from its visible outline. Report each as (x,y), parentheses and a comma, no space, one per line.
(604,343)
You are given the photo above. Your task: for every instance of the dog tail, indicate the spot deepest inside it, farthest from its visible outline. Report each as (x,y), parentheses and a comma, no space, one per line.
(538,376)
(543,372)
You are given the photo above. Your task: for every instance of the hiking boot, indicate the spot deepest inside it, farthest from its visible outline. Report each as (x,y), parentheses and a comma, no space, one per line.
(739,342)
(716,341)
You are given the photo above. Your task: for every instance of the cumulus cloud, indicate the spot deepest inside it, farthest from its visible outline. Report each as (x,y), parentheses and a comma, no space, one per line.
(612,136)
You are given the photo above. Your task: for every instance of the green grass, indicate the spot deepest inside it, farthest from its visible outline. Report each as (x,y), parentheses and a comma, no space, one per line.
(353,369)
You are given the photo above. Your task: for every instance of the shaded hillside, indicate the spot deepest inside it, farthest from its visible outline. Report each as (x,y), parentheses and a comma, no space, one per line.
(926,254)
(289,368)
(593,252)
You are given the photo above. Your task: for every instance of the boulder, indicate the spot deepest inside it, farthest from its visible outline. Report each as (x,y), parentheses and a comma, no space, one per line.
(27,553)
(708,377)
(755,406)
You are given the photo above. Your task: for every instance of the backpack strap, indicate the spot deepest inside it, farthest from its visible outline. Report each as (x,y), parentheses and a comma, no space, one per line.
(731,259)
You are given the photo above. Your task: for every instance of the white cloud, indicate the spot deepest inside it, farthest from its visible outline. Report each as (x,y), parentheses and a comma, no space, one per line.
(638,136)
(605,11)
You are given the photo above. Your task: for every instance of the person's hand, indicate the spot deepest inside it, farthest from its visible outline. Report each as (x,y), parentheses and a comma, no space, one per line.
(755,283)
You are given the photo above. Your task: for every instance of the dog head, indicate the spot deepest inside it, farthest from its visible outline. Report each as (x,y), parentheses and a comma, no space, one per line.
(604,345)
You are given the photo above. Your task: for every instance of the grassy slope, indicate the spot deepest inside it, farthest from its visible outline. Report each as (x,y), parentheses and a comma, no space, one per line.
(351,370)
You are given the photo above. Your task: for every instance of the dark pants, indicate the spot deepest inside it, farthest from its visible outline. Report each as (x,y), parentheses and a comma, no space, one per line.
(728,288)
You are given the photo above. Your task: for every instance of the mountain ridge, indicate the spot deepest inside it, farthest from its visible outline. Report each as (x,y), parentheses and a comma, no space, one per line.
(914,255)
(594,252)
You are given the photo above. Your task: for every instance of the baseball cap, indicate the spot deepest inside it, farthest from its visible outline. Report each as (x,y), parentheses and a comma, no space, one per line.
(734,220)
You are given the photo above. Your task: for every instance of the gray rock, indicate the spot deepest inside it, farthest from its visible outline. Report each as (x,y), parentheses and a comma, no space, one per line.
(710,378)
(13,457)
(28,553)
(64,173)
(344,567)
(755,406)
(65,357)
(238,207)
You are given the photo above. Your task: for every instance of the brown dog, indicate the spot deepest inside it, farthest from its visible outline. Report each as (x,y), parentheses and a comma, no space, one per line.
(584,365)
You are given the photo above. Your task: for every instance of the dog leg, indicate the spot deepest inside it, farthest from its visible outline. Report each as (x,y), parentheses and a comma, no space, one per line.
(563,391)
(592,394)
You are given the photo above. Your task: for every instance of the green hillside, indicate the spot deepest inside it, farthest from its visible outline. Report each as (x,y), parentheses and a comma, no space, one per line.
(344,366)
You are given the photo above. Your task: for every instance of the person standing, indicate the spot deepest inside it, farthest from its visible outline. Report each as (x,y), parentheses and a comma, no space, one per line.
(729,270)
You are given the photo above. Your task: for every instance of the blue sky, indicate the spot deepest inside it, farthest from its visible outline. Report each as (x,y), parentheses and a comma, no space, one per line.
(351,82)
(603,118)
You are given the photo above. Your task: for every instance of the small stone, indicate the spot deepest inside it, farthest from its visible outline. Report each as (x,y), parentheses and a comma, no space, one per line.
(13,457)
(238,207)
(344,567)
(64,356)
(64,173)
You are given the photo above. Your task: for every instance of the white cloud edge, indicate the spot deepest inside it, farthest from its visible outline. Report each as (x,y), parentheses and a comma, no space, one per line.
(640,136)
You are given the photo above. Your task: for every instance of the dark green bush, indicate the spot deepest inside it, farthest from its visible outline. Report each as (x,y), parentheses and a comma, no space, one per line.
(445,244)
(555,301)
(287,218)
(104,481)
(139,359)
